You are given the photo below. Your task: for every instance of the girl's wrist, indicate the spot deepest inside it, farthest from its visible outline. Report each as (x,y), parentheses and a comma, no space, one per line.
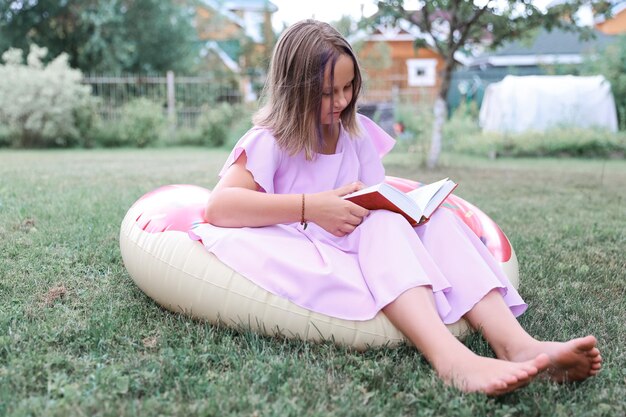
(303,218)
(310,208)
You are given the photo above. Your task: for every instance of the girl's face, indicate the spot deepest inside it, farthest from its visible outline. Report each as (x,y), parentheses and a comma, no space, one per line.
(341,90)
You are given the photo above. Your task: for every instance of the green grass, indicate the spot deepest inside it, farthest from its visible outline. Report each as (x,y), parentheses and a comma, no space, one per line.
(77,337)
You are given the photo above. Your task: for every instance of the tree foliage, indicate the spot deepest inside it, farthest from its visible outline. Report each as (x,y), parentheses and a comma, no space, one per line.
(611,63)
(451,27)
(103,35)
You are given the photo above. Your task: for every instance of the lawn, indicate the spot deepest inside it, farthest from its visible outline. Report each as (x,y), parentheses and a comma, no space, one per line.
(77,337)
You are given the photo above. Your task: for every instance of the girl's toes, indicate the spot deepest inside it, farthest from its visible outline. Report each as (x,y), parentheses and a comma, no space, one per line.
(497,388)
(594,352)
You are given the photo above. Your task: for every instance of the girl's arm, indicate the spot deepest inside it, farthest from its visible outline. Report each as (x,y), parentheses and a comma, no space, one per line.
(237,202)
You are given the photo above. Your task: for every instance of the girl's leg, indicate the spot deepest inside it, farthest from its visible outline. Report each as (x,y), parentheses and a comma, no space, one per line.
(574,360)
(414,313)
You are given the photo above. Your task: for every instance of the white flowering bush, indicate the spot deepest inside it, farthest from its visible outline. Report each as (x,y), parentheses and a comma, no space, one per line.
(43,105)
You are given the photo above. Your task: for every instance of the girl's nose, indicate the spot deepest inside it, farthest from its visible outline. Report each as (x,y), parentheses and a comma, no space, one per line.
(340,101)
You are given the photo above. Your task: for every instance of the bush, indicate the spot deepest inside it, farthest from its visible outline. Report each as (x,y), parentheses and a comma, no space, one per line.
(242,122)
(566,142)
(6,136)
(610,63)
(86,121)
(187,136)
(42,106)
(107,134)
(217,125)
(463,122)
(214,124)
(417,120)
(142,124)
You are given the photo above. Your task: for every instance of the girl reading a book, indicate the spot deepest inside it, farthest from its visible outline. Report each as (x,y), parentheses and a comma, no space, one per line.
(277,216)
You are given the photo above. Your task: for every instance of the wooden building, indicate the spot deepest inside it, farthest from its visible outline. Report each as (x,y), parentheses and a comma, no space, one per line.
(394,69)
(616,24)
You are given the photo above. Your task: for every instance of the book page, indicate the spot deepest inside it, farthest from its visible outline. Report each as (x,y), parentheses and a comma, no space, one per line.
(439,197)
(424,194)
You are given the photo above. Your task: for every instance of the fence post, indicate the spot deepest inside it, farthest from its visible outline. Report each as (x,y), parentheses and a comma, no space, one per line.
(171,101)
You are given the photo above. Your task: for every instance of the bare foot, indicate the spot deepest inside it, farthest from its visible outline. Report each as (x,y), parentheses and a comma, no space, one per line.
(490,376)
(575,360)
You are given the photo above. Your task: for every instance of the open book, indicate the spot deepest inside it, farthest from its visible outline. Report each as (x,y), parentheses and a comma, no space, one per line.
(416,206)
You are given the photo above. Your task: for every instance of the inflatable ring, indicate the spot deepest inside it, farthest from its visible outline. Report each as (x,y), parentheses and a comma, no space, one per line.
(182,276)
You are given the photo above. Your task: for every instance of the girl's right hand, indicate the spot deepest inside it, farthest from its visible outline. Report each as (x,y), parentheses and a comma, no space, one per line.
(334,214)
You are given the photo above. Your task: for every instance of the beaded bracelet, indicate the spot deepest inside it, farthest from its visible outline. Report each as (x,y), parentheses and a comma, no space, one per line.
(302,221)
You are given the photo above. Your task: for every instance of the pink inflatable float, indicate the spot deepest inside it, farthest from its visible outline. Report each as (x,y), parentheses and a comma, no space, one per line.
(182,276)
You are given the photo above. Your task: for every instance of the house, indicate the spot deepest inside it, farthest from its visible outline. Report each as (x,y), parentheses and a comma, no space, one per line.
(548,52)
(393,68)
(236,38)
(616,23)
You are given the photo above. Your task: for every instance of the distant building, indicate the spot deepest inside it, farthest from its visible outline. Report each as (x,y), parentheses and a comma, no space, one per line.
(393,67)
(616,24)
(546,53)
(236,37)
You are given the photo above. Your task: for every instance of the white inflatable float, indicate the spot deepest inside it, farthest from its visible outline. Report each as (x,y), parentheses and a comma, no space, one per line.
(182,276)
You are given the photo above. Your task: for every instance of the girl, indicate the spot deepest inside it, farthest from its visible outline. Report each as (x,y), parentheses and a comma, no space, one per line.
(277,217)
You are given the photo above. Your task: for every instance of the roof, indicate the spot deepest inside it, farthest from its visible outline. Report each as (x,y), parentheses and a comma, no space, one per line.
(557,46)
(228,8)
(249,21)
(397,30)
(617,8)
(218,6)
(212,46)
(250,5)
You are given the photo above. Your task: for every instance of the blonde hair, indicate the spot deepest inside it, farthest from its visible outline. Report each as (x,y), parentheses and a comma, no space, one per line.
(293,90)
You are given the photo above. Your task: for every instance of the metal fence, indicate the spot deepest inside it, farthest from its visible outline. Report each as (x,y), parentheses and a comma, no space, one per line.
(182,97)
(388,90)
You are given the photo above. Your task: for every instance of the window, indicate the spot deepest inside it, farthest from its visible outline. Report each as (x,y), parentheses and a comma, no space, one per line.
(422,72)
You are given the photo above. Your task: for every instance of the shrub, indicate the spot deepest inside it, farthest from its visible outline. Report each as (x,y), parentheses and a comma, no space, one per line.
(142,123)
(6,136)
(42,105)
(570,142)
(187,136)
(463,122)
(242,122)
(86,121)
(610,63)
(139,123)
(417,120)
(214,124)
(221,125)
(217,125)
(107,134)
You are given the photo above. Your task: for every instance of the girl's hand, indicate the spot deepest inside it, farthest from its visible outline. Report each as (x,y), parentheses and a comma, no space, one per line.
(334,214)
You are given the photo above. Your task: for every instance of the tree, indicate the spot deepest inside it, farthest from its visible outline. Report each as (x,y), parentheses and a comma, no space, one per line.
(346,25)
(460,26)
(378,57)
(104,35)
(611,63)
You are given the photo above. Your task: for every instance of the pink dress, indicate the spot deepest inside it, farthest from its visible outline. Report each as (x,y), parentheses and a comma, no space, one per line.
(355,276)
